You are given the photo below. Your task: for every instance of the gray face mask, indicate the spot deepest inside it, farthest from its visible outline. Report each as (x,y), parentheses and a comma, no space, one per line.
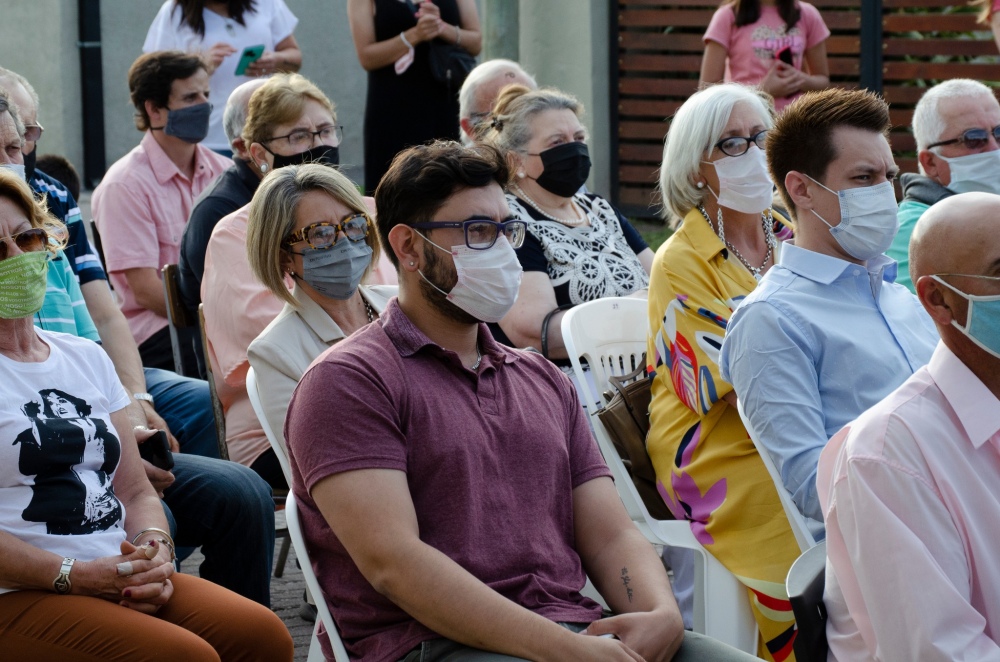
(336,272)
(189,124)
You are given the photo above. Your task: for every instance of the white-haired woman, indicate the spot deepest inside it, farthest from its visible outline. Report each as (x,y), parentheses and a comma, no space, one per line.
(714,176)
(578,248)
(309,223)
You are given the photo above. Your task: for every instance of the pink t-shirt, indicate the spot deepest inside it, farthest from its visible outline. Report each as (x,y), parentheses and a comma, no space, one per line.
(752,49)
(141,208)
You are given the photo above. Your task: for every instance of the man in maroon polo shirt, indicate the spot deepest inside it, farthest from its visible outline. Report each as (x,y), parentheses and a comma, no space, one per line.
(451,493)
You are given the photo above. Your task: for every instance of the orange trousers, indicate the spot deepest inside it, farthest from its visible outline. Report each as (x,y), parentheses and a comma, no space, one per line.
(202,622)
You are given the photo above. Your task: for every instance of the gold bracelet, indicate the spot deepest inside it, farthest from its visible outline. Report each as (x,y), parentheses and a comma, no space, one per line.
(165,539)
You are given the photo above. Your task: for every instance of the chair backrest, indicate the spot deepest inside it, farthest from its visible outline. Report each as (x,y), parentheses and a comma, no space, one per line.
(610,335)
(299,543)
(805,584)
(217,410)
(277,443)
(795,518)
(178,316)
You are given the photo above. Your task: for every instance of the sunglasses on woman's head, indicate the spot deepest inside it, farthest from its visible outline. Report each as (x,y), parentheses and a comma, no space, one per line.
(28,241)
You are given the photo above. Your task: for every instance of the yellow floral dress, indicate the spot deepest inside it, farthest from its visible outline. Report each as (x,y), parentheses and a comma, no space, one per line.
(707,468)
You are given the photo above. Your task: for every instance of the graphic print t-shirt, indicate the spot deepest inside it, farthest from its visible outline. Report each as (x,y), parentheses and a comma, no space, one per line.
(59,450)
(752,49)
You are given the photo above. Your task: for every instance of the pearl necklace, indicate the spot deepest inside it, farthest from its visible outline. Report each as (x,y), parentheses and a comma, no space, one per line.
(767,223)
(573,223)
(368,309)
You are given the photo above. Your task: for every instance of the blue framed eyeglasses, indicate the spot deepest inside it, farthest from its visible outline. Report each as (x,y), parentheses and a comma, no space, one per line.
(481,234)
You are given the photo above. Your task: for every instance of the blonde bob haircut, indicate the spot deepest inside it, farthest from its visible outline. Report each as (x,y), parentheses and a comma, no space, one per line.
(272,218)
(16,190)
(281,100)
(695,129)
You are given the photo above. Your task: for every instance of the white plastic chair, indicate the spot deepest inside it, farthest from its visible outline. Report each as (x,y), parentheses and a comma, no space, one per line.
(258,408)
(610,334)
(325,617)
(800,527)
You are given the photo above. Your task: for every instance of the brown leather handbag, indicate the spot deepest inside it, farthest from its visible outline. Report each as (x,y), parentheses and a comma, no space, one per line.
(626,418)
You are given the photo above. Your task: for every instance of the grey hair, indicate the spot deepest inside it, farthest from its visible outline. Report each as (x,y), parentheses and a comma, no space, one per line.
(696,127)
(479,75)
(10,107)
(516,107)
(13,75)
(234,117)
(928,127)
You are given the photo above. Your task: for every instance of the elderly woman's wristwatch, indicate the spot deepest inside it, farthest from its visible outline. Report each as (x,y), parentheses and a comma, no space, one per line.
(61,583)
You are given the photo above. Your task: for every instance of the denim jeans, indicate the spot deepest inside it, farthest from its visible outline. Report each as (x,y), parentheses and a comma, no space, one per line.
(227,510)
(186,405)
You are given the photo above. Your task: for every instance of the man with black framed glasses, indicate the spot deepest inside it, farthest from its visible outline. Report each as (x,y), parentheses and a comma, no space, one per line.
(957,128)
(449,485)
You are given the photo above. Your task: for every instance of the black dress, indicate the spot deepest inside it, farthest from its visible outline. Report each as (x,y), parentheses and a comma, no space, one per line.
(408,109)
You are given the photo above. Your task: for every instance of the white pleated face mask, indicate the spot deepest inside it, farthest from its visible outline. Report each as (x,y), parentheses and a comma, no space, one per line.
(488,280)
(744,183)
(868,219)
(975,172)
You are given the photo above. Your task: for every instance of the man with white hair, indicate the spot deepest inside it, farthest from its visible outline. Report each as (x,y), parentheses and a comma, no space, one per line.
(957,128)
(480,91)
(232,190)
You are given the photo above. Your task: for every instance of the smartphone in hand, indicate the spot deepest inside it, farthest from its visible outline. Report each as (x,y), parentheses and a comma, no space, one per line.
(156,451)
(250,55)
(785,55)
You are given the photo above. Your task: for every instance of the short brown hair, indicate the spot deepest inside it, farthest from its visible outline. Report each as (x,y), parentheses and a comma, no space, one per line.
(801,137)
(151,77)
(281,100)
(421,179)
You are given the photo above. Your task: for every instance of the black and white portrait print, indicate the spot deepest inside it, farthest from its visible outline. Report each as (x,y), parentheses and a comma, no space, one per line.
(72,458)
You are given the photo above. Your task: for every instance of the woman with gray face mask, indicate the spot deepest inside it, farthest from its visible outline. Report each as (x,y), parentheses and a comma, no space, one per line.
(308,223)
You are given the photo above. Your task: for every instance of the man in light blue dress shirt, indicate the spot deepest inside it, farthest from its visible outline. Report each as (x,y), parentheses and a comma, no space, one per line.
(827,333)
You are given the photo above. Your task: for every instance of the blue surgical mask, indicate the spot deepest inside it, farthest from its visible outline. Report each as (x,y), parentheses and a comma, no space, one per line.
(982,320)
(336,272)
(189,124)
(16,168)
(868,220)
(975,172)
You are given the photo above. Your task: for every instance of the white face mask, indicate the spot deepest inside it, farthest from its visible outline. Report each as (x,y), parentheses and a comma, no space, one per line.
(744,184)
(975,172)
(488,280)
(16,168)
(868,220)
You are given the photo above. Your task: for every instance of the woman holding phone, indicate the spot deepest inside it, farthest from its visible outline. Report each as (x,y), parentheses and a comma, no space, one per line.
(778,45)
(237,38)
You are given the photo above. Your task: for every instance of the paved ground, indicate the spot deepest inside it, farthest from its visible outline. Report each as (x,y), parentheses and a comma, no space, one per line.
(286,597)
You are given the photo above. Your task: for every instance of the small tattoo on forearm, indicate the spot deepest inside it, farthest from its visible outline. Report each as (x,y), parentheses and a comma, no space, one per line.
(626,580)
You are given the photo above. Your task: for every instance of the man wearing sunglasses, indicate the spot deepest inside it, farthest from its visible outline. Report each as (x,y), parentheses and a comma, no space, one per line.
(450,485)
(910,489)
(827,333)
(957,128)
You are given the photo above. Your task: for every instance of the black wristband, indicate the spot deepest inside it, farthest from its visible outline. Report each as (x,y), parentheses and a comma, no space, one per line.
(545,327)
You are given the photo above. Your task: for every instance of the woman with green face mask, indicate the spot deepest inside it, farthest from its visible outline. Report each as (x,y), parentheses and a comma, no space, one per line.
(76,574)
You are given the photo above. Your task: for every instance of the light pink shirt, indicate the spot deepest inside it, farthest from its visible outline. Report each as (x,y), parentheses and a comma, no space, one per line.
(141,208)
(911,497)
(753,49)
(237,308)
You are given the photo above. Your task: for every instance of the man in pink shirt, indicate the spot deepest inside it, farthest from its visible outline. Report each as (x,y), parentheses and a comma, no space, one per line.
(143,202)
(911,489)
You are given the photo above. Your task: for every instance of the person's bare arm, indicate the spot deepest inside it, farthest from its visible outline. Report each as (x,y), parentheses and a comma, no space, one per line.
(713,64)
(147,287)
(523,323)
(286,57)
(469,34)
(375,55)
(118,343)
(818,75)
(646,260)
(626,571)
(430,586)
